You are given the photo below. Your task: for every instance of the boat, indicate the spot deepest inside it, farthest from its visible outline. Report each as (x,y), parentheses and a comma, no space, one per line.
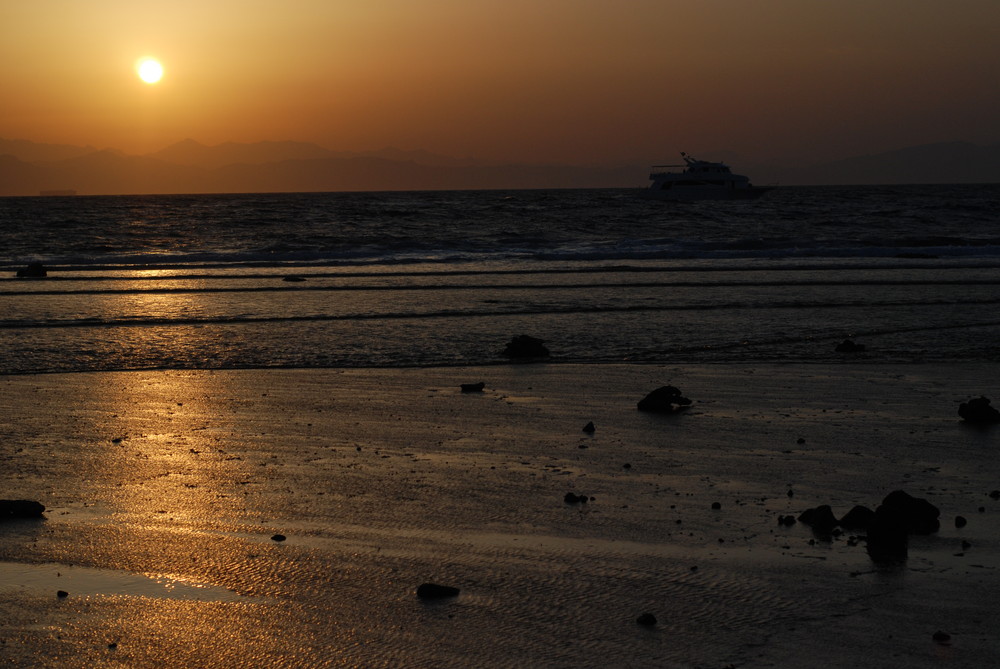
(700,180)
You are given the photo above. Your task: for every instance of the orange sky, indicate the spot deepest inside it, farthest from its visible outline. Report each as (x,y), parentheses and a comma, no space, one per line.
(580,81)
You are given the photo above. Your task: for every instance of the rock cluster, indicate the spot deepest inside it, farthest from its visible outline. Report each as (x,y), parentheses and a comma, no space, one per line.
(888,526)
(665,399)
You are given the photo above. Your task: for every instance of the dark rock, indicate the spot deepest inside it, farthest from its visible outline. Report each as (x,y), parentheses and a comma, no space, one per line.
(435,591)
(941,637)
(34,270)
(473,387)
(995,494)
(800,441)
(787,521)
(978,410)
(278,537)
(665,399)
(859,517)
(716,506)
(646,619)
(627,466)
(62,594)
(20,508)
(820,519)
(960,522)
(899,515)
(573,498)
(848,346)
(293,279)
(524,346)
(589,428)
(911,514)
(887,543)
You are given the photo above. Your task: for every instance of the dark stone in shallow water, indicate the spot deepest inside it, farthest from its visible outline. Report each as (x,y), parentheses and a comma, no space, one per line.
(848,346)
(589,428)
(978,410)
(435,591)
(34,270)
(20,508)
(647,619)
(473,387)
(524,346)
(665,399)
(278,537)
(573,498)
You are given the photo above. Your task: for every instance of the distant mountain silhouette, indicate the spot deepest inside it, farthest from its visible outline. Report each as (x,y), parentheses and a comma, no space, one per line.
(943,162)
(190,152)
(32,152)
(191,167)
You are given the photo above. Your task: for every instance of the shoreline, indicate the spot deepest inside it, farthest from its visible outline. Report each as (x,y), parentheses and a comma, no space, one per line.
(383,478)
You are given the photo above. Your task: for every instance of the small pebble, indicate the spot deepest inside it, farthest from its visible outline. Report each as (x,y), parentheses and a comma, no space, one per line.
(942,637)
(62,594)
(435,591)
(716,506)
(278,537)
(960,522)
(589,428)
(647,619)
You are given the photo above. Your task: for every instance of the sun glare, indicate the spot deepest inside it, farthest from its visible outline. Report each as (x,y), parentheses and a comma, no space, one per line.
(149,70)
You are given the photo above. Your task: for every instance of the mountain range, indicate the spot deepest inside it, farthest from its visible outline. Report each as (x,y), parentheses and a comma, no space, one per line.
(28,168)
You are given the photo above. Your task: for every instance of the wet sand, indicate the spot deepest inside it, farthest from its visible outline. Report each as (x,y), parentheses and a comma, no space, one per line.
(164,489)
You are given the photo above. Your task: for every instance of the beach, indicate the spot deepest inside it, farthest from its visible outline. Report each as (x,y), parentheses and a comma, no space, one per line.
(168,493)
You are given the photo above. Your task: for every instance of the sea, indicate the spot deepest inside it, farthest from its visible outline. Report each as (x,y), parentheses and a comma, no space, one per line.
(411,279)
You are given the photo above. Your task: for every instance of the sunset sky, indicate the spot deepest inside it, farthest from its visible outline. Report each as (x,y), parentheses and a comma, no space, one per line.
(577,81)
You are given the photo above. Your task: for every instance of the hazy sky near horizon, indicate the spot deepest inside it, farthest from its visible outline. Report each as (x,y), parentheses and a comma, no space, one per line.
(581,81)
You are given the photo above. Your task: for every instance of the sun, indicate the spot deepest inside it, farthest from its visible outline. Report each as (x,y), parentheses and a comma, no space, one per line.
(149,70)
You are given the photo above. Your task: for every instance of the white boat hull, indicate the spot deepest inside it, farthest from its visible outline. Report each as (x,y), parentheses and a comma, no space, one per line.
(690,194)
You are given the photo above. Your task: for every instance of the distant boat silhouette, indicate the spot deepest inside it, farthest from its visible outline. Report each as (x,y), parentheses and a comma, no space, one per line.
(700,180)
